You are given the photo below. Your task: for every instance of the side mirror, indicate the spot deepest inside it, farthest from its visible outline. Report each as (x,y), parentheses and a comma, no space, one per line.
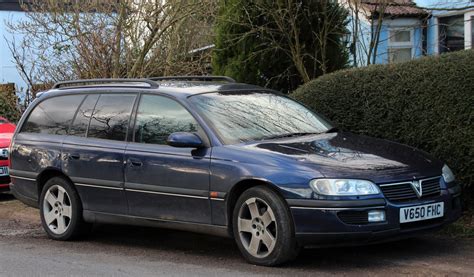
(185,140)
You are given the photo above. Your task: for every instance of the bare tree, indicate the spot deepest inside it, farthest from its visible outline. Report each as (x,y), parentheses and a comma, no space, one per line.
(366,24)
(98,39)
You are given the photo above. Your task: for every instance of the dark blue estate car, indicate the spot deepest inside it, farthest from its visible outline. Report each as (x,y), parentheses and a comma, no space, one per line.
(214,156)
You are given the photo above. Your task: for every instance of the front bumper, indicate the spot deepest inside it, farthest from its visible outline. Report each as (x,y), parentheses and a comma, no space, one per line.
(320,223)
(4,180)
(4,183)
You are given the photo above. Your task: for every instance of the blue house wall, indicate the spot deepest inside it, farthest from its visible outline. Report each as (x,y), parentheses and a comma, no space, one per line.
(402,23)
(427,36)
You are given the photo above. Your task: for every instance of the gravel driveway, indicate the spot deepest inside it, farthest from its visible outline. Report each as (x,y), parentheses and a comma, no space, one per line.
(133,251)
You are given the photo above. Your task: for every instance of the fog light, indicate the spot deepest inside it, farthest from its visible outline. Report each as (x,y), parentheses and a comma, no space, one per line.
(376,216)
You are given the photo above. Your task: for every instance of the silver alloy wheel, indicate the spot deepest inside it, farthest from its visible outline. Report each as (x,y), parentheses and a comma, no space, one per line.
(257,227)
(57,210)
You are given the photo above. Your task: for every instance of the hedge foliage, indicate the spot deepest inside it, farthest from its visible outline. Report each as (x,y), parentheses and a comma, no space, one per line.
(427,103)
(8,110)
(8,102)
(252,46)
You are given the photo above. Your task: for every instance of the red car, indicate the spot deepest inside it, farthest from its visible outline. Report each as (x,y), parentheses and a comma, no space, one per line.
(6,132)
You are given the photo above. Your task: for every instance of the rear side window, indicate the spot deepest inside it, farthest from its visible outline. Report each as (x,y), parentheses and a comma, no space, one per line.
(111,116)
(83,116)
(53,116)
(158,117)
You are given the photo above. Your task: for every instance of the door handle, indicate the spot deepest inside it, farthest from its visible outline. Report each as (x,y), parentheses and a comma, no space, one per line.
(135,162)
(74,156)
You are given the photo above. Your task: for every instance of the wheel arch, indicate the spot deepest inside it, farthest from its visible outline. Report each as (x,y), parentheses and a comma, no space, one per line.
(239,188)
(47,174)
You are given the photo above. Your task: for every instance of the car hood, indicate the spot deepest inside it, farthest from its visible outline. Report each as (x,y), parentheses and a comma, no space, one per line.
(347,155)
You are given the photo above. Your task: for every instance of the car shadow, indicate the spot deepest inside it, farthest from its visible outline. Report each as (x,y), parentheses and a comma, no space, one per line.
(6,197)
(223,252)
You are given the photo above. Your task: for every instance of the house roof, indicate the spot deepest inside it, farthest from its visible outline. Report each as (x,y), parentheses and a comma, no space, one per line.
(11,5)
(395,8)
(21,5)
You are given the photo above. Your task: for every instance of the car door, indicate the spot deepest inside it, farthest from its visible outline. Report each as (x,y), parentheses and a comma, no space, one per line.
(93,153)
(161,181)
(37,145)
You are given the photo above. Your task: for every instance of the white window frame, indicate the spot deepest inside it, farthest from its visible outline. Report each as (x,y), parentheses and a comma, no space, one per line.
(468,19)
(401,44)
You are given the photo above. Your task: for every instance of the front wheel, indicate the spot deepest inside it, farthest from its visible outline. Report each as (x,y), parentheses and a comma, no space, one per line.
(61,210)
(263,228)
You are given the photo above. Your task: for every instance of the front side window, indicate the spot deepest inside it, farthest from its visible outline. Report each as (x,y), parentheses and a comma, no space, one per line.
(111,116)
(53,115)
(158,117)
(248,116)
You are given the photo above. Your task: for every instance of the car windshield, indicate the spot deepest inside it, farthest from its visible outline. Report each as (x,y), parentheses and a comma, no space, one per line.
(249,116)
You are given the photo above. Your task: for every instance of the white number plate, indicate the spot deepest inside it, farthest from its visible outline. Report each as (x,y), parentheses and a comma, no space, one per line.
(3,170)
(423,212)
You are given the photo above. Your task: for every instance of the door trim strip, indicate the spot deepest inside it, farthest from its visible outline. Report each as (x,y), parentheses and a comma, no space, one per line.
(22,178)
(218,199)
(99,187)
(166,193)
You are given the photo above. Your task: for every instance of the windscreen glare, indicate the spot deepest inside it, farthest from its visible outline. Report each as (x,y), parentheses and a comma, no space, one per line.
(241,117)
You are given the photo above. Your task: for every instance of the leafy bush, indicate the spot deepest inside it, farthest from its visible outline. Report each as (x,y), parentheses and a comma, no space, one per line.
(427,103)
(8,109)
(255,41)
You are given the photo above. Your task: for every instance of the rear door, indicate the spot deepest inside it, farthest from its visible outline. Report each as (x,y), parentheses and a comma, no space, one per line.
(93,153)
(166,182)
(37,145)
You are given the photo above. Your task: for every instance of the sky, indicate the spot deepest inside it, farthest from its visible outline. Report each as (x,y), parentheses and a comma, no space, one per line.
(428,3)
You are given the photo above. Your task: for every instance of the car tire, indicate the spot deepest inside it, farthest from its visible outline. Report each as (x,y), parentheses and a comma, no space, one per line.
(61,210)
(263,227)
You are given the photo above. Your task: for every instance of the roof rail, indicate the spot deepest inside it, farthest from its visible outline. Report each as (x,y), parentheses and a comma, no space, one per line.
(194,78)
(104,82)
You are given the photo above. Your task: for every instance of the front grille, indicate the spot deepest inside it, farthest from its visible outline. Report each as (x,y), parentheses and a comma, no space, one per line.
(431,187)
(354,217)
(404,191)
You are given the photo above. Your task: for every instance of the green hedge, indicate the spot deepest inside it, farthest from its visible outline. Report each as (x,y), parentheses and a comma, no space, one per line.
(427,103)
(8,109)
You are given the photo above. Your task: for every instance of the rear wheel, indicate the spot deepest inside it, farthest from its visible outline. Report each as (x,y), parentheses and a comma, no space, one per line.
(61,210)
(263,228)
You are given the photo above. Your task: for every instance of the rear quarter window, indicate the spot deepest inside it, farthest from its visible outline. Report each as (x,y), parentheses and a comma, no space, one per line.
(53,115)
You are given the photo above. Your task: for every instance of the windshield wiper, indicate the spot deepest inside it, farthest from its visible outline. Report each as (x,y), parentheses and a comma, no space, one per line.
(289,135)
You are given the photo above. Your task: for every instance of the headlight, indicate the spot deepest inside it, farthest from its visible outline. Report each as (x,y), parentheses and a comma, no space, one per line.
(344,187)
(448,175)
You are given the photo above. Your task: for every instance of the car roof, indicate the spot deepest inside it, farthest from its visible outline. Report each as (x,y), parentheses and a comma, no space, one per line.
(175,88)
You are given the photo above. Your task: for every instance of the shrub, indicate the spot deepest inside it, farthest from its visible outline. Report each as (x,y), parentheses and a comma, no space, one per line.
(8,102)
(8,110)
(255,41)
(427,103)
